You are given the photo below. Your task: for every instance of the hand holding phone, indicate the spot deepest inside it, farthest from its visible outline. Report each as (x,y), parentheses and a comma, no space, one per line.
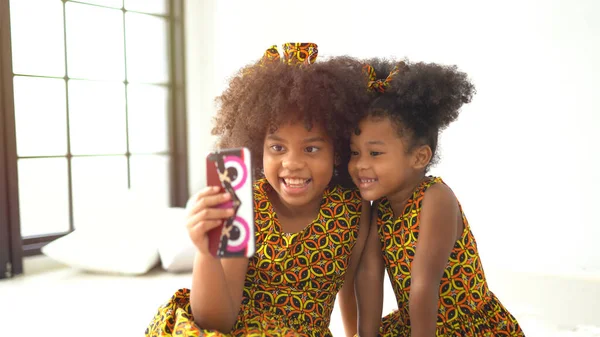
(204,215)
(231,171)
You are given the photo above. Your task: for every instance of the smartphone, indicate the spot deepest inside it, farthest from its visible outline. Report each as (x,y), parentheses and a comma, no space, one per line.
(231,169)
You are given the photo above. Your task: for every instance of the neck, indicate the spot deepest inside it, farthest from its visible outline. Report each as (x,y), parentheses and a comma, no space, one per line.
(285,210)
(399,198)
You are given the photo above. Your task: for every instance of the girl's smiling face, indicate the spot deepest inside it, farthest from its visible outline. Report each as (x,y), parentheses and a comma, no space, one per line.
(298,163)
(381,164)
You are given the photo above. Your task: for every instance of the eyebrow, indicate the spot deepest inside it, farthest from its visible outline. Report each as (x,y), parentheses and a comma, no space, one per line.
(274,137)
(307,140)
(314,139)
(375,142)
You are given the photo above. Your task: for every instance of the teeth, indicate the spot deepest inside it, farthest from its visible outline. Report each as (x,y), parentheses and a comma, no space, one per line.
(366,181)
(295,181)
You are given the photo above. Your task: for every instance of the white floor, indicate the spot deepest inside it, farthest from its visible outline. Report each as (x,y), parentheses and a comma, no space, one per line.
(63,302)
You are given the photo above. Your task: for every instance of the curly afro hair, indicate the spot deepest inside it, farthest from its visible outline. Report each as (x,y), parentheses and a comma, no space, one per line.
(421,100)
(259,99)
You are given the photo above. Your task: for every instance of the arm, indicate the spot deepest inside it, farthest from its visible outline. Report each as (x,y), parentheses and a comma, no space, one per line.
(217,284)
(437,235)
(369,283)
(217,288)
(346,296)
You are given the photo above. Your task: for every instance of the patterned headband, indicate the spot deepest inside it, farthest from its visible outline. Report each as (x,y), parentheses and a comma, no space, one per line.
(294,53)
(374,84)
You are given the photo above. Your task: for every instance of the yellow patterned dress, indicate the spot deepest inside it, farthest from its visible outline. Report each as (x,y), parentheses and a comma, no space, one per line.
(466,306)
(293,279)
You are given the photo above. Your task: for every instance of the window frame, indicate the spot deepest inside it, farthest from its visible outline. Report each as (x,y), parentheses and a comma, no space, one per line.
(12,246)
(11,255)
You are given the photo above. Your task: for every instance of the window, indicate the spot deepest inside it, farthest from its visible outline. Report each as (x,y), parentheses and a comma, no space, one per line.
(93,106)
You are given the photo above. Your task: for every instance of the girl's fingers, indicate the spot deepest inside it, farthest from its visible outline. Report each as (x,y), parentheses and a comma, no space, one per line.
(210,201)
(209,214)
(198,230)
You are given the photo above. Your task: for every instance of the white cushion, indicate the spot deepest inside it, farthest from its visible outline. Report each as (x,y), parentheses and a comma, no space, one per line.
(104,252)
(116,236)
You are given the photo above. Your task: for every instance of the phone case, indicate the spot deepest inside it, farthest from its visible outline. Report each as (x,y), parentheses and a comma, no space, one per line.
(231,169)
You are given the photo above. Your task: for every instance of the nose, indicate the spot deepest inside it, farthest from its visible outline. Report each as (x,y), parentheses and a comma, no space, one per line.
(361,162)
(293,161)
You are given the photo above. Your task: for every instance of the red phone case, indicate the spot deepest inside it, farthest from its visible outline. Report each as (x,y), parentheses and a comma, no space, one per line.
(231,170)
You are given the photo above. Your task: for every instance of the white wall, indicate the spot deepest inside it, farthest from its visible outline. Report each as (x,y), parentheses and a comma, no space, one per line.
(521,157)
(200,63)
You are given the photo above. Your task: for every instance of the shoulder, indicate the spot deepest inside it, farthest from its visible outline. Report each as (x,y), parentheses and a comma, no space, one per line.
(260,189)
(439,200)
(436,191)
(260,184)
(262,210)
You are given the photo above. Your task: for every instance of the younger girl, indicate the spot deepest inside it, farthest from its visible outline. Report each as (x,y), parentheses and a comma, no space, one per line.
(310,228)
(428,249)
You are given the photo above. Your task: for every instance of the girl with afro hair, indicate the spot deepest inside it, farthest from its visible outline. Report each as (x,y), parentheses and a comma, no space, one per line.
(419,232)
(295,115)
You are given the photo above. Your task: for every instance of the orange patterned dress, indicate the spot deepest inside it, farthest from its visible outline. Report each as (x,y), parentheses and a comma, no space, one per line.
(293,279)
(466,306)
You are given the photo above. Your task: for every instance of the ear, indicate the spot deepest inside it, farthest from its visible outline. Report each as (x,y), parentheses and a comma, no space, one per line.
(421,157)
